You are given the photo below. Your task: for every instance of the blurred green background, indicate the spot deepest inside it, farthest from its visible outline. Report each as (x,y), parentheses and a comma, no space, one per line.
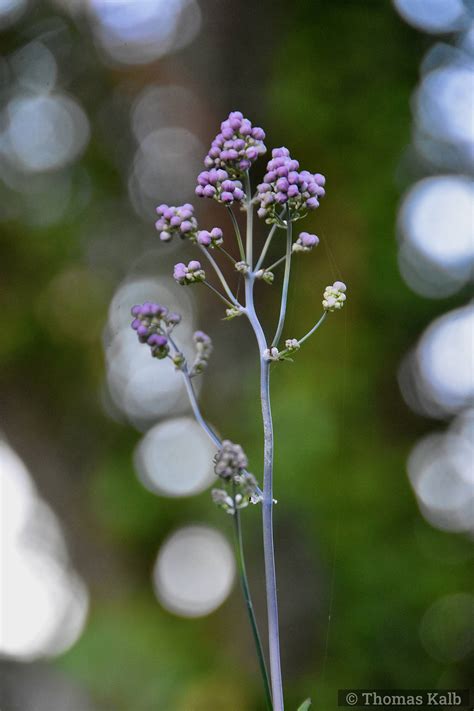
(358,564)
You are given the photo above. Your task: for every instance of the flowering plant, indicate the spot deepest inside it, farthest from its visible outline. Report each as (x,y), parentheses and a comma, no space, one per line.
(285,196)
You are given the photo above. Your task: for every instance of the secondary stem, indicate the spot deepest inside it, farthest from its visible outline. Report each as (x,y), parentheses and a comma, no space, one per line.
(220,275)
(237,233)
(249,207)
(239,550)
(286,281)
(315,327)
(218,293)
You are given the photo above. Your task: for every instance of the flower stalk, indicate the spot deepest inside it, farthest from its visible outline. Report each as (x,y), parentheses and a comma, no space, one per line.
(286,195)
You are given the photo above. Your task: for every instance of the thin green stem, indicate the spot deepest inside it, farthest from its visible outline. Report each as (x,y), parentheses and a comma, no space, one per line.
(315,327)
(237,232)
(286,281)
(307,335)
(275,264)
(249,208)
(224,251)
(239,551)
(220,275)
(218,293)
(268,241)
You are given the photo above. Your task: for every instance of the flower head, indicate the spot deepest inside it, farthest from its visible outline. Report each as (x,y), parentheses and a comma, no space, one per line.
(305,242)
(190,274)
(218,184)
(230,461)
(285,185)
(153,322)
(179,221)
(236,146)
(212,238)
(334,296)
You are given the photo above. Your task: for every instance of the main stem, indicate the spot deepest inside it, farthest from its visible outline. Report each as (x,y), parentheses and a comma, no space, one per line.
(267,504)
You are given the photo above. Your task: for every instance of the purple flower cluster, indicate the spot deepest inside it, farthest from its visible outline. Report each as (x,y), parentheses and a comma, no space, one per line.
(179,221)
(151,322)
(284,185)
(190,274)
(217,183)
(212,238)
(237,145)
(305,242)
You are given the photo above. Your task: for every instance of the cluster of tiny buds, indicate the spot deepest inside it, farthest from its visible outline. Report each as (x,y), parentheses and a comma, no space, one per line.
(265,275)
(292,344)
(212,238)
(237,145)
(230,464)
(334,296)
(179,221)
(203,345)
(233,312)
(230,460)
(271,354)
(190,274)
(242,267)
(284,185)
(153,323)
(217,183)
(305,242)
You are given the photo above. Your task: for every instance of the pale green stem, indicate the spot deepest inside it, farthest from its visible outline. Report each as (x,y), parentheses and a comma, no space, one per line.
(224,251)
(249,208)
(220,275)
(265,247)
(286,281)
(237,233)
(218,293)
(275,264)
(315,327)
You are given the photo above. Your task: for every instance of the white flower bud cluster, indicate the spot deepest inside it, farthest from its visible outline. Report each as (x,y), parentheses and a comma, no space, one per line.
(232,312)
(334,296)
(292,344)
(271,354)
(222,499)
(265,275)
(242,267)
(203,352)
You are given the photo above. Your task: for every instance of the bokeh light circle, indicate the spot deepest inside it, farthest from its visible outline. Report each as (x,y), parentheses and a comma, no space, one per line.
(194,571)
(175,458)
(44,603)
(433,15)
(437,217)
(46,132)
(445,360)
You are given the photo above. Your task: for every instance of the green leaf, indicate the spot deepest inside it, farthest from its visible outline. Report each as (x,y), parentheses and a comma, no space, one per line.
(305,705)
